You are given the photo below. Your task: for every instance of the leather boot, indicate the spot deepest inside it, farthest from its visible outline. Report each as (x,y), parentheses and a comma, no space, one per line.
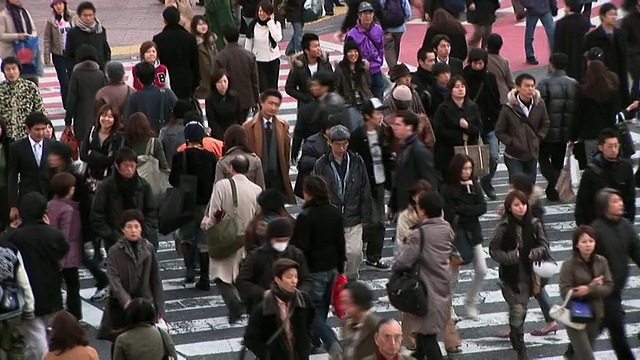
(517,342)
(203,284)
(187,256)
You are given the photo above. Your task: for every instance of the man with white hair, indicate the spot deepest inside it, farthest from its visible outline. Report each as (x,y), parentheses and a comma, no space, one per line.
(388,339)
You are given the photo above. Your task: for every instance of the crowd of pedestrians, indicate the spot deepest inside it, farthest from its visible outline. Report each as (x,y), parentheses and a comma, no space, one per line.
(360,135)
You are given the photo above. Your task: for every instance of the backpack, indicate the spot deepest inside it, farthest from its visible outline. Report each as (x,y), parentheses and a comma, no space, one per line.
(11,295)
(392,14)
(454,6)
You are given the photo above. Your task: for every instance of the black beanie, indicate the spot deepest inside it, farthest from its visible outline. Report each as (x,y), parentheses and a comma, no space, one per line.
(350,44)
(32,207)
(279,228)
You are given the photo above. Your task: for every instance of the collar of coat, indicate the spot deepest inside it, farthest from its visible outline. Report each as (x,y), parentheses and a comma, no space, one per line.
(258,120)
(299,59)
(87,65)
(270,304)
(143,249)
(513,101)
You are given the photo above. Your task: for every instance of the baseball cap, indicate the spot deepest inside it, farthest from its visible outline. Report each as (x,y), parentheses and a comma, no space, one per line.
(371,105)
(365,6)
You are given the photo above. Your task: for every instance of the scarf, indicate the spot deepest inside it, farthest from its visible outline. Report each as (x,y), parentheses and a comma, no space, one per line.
(19,14)
(127,188)
(510,274)
(252,27)
(96,27)
(285,303)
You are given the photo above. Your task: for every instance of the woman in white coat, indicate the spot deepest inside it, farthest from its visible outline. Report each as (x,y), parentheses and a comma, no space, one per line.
(224,271)
(263,35)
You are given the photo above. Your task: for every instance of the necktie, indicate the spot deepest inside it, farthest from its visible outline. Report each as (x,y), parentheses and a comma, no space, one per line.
(38,152)
(268,132)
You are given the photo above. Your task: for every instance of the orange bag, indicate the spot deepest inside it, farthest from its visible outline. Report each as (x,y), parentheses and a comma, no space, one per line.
(338,285)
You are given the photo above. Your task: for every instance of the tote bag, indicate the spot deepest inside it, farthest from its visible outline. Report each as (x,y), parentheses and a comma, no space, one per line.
(149,169)
(27,51)
(562,314)
(480,154)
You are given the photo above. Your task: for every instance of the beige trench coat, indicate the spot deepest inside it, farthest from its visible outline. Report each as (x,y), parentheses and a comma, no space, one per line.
(221,199)
(433,260)
(8,33)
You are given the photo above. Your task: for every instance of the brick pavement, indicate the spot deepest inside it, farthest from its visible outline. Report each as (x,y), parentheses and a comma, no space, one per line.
(128,22)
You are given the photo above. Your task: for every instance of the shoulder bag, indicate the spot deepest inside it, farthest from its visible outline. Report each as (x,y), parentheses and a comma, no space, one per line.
(179,202)
(223,238)
(165,347)
(480,154)
(406,291)
(149,169)
(562,314)
(462,243)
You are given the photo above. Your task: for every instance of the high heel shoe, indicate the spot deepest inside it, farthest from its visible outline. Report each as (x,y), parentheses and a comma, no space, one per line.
(542,332)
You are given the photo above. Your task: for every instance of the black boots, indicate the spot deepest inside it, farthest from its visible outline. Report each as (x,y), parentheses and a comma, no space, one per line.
(187,255)
(517,342)
(203,284)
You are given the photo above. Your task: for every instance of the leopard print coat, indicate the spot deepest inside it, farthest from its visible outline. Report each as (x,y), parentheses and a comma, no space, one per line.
(17,100)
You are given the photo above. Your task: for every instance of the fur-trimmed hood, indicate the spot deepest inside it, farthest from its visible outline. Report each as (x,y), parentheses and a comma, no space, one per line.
(298,59)
(87,65)
(512,101)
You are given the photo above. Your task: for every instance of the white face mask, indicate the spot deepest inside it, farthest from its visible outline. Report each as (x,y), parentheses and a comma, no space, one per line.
(280,246)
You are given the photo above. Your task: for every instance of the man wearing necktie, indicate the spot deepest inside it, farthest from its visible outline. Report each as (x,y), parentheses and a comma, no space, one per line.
(28,162)
(269,138)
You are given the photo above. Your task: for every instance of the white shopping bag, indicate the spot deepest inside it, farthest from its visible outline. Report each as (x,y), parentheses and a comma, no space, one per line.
(574,170)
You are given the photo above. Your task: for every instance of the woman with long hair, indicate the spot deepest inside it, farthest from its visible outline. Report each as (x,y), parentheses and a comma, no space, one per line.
(456,122)
(353,82)
(271,202)
(519,241)
(223,105)
(54,40)
(236,143)
(599,106)
(134,275)
(68,340)
(444,23)
(464,204)
(207,51)
(141,339)
(139,137)
(263,35)
(99,147)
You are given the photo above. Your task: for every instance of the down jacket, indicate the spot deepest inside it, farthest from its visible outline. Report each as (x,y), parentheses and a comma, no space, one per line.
(356,203)
(560,94)
(297,85)
(522,134)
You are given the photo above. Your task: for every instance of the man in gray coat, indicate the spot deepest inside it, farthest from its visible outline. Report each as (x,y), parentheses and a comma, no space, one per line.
(429,247)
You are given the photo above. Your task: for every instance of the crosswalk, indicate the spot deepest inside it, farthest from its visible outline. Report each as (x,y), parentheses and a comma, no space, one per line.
(198,322)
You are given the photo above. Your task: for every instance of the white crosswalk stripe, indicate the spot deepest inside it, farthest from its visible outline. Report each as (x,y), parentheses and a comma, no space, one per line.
(198,319)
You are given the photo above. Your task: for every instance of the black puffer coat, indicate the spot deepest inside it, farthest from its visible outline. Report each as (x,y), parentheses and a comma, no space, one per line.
(356,205)
(560,94)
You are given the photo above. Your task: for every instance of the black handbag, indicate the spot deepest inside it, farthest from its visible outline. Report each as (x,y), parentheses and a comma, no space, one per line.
(406,292)
(462,242)
(179,203)
(10,297)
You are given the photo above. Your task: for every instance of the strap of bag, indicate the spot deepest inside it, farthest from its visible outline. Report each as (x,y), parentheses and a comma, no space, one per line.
(162,113)
(567,298)
(234,193)
(416,267)
(475,98)
(164,343)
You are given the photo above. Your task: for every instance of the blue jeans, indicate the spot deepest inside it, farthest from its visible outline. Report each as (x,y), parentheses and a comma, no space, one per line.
(322,284)
(494,145)
(60,64)
(529,167)
(295,44)
(377,85)
(532,21)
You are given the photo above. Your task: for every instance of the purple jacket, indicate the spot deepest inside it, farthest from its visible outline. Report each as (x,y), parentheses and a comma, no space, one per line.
(539,7)
(64,215)
(371,44)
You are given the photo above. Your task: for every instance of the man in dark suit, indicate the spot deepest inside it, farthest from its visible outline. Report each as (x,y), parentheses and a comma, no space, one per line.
(442,48)
(242,68)
(28,161)
(178,51)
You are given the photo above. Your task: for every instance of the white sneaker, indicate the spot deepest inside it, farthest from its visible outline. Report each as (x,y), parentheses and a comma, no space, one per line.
(384,299)
(472,313)
(100,294)
(454,316)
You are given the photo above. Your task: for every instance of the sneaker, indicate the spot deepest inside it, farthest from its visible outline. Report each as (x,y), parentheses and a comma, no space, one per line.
(454,316)
(100,294)
(472,313)
(385,299)
(380,265)
(490,192)
(532,61)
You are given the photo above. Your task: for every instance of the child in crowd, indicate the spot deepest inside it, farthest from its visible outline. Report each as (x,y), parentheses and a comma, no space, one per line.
(64,215)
